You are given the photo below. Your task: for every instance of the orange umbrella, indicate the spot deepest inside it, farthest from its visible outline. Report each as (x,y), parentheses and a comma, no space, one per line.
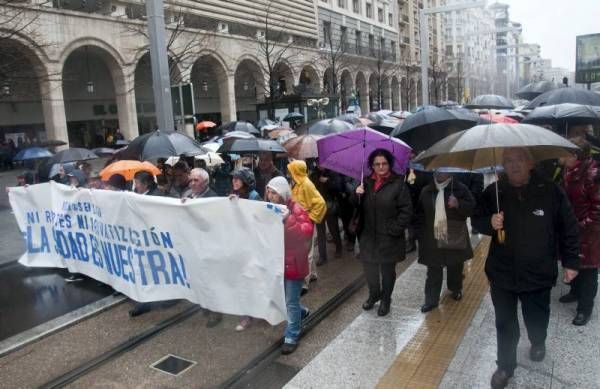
(128,168)
(201,126)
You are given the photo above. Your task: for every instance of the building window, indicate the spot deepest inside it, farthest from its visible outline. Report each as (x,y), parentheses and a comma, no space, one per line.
(393,44)
(342,3)
(343,38)
(356,6)
(390,19)
(371,42)
(382,44)
(380,14)
(369,10)
(358,40)
(326,32)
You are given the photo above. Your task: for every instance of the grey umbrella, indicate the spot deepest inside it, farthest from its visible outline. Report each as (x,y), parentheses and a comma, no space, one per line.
(241,146)
(72,155)
(490,102)
(324,127)
(239,126)
(563,115)
(566,95)
(533,90)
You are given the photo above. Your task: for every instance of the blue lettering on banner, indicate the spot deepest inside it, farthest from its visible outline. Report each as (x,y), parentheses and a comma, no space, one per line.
(159,267)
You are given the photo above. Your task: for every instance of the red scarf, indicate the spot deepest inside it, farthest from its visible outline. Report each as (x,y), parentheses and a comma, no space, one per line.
(380,180)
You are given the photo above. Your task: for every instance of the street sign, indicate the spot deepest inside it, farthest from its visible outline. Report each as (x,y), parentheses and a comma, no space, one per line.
(587,62)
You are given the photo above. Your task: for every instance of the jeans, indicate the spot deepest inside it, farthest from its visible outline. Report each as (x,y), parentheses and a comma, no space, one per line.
(535,307)
(295,310)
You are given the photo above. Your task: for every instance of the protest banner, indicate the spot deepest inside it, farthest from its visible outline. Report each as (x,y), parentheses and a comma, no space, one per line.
(225,255)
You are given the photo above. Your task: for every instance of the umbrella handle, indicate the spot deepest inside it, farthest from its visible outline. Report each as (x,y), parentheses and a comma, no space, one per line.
(500,234)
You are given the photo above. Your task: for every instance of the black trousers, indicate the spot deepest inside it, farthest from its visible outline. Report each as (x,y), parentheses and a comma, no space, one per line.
(585,287)
(334,228)
(535,307)
(380,279)
(435,277)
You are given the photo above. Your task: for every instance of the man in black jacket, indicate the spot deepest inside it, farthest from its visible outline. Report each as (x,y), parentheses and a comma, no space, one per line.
(539,227)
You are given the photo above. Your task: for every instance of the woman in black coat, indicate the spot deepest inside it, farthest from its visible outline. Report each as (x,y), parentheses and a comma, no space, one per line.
(385,211)
(447,245)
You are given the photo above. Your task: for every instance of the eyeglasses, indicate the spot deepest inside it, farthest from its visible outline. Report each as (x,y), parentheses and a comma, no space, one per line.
(380,164)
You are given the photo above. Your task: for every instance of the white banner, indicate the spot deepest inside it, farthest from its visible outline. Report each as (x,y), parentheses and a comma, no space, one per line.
(226,255)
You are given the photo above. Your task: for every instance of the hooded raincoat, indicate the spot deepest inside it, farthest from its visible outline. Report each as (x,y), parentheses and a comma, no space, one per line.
(305,193)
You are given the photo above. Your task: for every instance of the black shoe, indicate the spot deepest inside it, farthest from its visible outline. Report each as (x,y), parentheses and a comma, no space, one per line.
(537,353)
(303,291)
(370,303)
(214,319)
(457,295)
(321,262)
(384,308)
(568,298)
(288,348)
(581,319)
(500,379)
(428,307)
(139,309)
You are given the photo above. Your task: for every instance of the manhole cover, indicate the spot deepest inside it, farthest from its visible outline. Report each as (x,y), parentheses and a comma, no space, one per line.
(173,365)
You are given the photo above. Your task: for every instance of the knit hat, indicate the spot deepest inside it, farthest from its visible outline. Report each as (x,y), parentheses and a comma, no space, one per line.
(246,175)
(281,186)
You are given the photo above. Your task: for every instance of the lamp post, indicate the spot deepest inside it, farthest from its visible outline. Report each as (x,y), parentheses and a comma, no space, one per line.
(318,104)
(6,89)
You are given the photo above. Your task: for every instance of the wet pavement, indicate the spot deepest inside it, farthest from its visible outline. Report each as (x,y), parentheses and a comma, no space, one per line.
(32,296)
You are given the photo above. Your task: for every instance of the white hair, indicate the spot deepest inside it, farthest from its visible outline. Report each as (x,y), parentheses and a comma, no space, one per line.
(201,173)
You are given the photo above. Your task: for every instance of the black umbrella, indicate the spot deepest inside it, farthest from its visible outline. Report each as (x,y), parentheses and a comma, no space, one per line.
(490,102)
(161,144)
(239,126)
(324,127)
(50,143)
(104,151)
(533,90)
(385,126)
(424,128)
(293,116)
(245,146)
(566,95)
(563,115)
(72,155)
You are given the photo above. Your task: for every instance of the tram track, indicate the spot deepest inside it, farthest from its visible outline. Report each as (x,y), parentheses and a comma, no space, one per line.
(237,379)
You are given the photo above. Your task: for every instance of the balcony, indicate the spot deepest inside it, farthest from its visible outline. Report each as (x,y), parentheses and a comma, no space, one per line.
(404,19)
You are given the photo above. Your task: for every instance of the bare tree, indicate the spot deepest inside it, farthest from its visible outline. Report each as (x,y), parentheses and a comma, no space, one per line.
(438,82)
(20,21)
(183,44)
(335,57)
(407,70)
(383,69)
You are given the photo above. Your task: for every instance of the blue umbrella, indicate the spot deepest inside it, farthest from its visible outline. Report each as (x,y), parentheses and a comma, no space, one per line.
(32,153)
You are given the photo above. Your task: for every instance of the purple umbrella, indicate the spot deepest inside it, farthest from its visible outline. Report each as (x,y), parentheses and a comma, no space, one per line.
(347,152)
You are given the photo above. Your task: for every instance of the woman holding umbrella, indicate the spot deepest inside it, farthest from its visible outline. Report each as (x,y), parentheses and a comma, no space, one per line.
(443,208)
(581,182)
(385,211)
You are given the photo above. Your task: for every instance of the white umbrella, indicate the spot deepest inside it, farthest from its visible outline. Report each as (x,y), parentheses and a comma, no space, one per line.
(211,159)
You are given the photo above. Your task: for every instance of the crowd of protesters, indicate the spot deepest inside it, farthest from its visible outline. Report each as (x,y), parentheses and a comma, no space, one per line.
(549,213)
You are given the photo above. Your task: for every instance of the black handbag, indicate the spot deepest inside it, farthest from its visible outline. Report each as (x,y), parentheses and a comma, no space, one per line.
(458,236)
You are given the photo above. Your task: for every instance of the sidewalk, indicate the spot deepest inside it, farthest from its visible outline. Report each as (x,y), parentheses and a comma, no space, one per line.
(408,349)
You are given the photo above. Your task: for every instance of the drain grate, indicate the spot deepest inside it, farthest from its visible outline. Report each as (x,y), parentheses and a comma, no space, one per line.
(173,365)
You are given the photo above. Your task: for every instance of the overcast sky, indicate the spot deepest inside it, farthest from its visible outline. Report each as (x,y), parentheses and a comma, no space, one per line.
(554,24)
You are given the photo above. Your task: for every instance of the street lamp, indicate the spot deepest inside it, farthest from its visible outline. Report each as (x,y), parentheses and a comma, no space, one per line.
(318,104)
(6,89)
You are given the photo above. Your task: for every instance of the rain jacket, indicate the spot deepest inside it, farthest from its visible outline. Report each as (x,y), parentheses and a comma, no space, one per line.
(540,227)
(582,185)
(305,193)
(298,231)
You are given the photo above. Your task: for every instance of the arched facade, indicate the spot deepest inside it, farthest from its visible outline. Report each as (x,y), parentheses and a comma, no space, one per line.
(211,84)
(346,89)
(386,94)
(249,88)
(395,94)
(362,92)
(309,81)
(374,93)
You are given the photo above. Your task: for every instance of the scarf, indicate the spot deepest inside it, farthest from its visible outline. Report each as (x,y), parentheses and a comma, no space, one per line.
(440,223)
(380,180)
